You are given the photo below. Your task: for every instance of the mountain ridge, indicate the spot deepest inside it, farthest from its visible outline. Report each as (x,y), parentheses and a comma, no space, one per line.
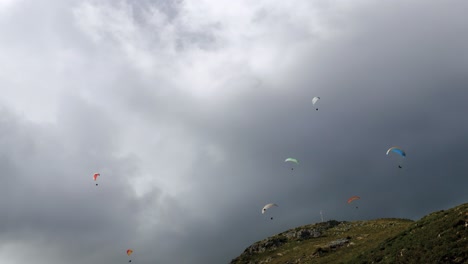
(439,237)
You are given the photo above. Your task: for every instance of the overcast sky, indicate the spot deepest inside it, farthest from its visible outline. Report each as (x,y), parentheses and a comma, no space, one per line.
(188,110)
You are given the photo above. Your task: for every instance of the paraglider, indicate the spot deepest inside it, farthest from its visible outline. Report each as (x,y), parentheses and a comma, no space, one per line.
(314,101)
(266,207)
(352,198)
(292,160)
(398,151)
(129,252)
(95,176)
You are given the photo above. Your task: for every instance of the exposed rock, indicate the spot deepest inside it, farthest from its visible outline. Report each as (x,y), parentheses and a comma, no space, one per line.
(273,243)
(303,234)
(338,243)
(269,244)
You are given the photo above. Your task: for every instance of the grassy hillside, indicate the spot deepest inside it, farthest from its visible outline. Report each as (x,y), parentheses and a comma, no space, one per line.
(440,237)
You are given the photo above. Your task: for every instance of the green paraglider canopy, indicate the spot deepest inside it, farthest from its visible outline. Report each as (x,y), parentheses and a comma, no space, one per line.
(292,160)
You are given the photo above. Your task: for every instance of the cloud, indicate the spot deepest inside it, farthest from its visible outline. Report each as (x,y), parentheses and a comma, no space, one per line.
(189,110)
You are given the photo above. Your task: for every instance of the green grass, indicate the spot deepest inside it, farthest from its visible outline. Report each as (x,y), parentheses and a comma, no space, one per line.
(440,237)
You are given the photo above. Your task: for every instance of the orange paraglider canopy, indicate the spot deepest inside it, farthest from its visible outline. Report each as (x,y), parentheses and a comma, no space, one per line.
(353,198)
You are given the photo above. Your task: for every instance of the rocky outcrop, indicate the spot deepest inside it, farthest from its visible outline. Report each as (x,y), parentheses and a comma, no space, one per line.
(273,243)
(338,243)
(303,234)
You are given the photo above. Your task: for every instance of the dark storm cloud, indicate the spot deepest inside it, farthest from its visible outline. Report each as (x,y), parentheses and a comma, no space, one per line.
(49,191)
(382,85)
(388,74)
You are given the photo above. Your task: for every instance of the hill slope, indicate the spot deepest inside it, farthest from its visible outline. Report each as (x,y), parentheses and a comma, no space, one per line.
(440,237)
